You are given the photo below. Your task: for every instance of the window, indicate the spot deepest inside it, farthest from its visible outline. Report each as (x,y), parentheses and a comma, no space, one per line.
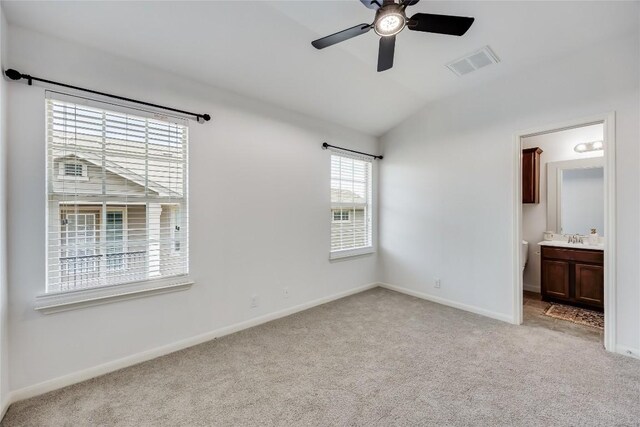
(115,240)
(79,234)
(341,215)
(119,223)
(351,205)
(73,169)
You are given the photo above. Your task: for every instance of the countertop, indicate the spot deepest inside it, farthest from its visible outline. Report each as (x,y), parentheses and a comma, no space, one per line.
(561,244)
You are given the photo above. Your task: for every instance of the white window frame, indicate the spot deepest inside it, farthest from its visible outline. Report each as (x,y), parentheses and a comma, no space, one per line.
(371,248)
(54,302)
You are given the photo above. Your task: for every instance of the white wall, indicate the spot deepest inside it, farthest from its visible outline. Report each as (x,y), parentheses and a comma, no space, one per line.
(556,147)
(582,200)
(447,180)
(259,203)
(4,329)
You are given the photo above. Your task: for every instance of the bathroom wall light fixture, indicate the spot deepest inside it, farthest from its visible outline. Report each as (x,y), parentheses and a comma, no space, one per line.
(585,147)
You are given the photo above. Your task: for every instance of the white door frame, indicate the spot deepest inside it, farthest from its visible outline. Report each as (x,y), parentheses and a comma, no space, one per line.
(608,120)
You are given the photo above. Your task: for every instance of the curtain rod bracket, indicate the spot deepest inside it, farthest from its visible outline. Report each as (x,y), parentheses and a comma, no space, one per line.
(17,75)
(326,145)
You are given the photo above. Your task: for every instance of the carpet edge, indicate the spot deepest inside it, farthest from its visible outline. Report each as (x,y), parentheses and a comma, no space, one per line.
(134,359)
(444,301)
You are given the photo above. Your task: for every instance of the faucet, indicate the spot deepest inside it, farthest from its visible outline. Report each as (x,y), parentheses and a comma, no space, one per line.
(575,238)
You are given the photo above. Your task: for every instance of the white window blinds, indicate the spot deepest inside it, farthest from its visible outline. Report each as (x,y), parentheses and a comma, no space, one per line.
(351,205)
(126,220)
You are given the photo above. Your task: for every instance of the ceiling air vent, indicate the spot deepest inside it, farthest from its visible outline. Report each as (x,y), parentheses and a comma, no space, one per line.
(473,61)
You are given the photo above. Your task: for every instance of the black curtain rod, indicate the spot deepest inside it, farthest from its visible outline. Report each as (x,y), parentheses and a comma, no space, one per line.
(325,146)
(16,75)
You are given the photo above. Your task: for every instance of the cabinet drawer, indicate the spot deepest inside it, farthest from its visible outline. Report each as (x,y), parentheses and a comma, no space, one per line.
(581,255)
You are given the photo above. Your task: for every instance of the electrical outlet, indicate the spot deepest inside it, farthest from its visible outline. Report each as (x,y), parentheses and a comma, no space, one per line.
(438,283)
(285,292)
(254,301)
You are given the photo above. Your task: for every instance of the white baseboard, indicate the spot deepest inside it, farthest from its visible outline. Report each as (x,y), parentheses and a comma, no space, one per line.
(450,303)
(86,374)
(4,406)
(531,288)
(628,351)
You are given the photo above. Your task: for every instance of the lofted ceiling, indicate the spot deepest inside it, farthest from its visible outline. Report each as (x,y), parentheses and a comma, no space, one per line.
(262,48)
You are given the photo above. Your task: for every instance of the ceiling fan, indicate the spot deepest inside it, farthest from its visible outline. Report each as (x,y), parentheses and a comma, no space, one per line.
(390,20)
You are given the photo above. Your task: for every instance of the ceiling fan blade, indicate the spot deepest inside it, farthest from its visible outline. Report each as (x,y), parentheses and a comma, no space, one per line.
(341,36)
(441,24)
(407,3)
(385,52)
(372,4)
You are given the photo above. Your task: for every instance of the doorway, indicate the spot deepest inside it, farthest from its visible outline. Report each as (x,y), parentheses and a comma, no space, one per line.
(564,209)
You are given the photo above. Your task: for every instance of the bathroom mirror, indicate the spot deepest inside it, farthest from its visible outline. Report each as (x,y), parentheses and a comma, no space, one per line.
(575,196)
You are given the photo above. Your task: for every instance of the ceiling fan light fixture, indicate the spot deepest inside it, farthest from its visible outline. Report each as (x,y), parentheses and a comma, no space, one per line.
(390,21)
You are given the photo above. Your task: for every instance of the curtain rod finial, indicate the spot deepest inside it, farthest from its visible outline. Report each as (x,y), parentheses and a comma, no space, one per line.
(13,74)
(201,118)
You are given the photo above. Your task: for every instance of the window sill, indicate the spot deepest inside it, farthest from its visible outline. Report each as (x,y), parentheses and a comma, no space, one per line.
(349,253)
(56,302)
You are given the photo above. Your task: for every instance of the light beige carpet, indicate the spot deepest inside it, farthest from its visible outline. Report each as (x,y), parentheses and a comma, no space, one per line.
(376,358)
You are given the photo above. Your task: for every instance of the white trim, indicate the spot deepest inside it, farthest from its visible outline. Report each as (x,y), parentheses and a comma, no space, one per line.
(439,300)
(610,311)
(4,405)
(347,253)
(56,302)
(517,278)
(114,365)
(610,306)
(531,288)
(628,351)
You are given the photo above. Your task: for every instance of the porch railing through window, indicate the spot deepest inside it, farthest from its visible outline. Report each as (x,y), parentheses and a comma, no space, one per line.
(87,271)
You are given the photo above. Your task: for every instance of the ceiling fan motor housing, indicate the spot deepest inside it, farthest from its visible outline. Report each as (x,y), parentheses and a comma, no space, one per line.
(390,20)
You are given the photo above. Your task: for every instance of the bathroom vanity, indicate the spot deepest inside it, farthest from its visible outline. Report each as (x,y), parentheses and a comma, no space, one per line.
(573,274)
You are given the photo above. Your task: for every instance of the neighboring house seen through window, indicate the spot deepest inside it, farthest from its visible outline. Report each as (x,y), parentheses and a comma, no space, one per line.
(341,215)
(73,169)
(351,205)
(116,196)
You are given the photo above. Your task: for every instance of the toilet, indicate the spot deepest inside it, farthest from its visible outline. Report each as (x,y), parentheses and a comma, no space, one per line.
(524,254)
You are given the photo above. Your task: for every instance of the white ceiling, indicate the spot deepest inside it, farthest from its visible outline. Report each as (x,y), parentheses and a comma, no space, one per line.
(262,48)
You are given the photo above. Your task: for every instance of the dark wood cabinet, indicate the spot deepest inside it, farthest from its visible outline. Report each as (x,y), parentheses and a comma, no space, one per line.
(531,175)
(555,275)
(573,276)
(589,284)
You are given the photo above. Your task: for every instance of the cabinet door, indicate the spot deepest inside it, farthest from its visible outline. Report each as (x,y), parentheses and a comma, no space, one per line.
(555,278)
(531,175)
(590,284)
